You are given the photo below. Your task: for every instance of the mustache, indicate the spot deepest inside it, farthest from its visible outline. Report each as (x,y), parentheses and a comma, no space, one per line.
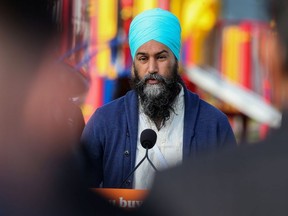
(155,76)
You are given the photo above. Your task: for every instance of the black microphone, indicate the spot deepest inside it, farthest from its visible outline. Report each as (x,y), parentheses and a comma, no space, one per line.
(148,139)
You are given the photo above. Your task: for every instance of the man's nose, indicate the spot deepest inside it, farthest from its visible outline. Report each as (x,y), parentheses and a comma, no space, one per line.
(152,66)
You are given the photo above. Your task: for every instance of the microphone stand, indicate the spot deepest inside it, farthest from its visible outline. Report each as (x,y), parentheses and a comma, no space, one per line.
(146,156)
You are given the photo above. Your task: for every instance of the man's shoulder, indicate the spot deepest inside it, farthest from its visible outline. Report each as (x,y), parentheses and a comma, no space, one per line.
(204,107)
(119,103)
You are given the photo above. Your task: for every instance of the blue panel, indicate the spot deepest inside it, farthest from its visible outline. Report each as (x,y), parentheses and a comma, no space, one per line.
(235,10)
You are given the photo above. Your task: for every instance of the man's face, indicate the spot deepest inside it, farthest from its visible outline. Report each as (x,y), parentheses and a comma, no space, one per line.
(155,78)
(154,64)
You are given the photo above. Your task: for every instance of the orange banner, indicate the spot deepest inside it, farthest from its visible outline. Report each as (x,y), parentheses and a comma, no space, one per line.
(124,198)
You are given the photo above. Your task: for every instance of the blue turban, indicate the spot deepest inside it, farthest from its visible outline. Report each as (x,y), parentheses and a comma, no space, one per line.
(155,24)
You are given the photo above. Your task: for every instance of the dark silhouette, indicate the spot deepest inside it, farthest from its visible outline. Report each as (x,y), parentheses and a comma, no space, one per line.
(251,180)
(40,159)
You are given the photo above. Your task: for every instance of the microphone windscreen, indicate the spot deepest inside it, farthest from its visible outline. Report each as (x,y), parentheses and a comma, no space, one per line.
(148,138)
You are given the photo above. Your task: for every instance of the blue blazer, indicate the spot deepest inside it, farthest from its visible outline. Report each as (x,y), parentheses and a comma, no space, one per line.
(110,136)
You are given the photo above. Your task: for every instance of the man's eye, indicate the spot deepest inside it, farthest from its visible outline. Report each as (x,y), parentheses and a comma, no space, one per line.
(143,58)
(162,57)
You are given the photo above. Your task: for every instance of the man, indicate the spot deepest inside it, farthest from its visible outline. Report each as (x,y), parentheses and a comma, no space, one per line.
(185,125)
(250,180)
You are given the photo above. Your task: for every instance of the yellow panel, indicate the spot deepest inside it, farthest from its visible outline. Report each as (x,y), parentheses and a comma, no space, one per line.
(141,5)
(107,19)
(231,52)
(198,15)
(103,60)
(176,8)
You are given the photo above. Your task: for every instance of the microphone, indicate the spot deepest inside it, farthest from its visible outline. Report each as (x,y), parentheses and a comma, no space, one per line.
(148,139)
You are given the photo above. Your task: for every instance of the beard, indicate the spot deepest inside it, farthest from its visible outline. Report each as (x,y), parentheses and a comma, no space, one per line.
(157,100)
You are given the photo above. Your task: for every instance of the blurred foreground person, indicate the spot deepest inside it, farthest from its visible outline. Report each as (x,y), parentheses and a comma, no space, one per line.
(40,128)
(251,180)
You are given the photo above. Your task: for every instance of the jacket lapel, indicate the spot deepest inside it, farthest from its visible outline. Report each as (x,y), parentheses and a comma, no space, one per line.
(131,108)
(191,101)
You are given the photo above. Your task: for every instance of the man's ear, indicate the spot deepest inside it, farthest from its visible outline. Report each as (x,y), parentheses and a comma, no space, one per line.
(133,69)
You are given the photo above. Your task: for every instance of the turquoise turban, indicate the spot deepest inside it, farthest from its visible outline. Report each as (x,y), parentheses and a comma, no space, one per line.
(155,24)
